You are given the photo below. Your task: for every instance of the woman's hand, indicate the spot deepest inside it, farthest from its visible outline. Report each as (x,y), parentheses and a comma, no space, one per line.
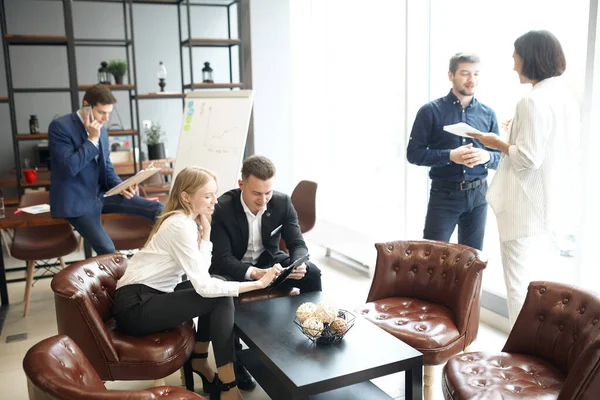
(271,274)
(204,224)
(491,141)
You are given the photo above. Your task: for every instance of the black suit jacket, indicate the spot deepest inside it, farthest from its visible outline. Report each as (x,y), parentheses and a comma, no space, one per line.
(230,234)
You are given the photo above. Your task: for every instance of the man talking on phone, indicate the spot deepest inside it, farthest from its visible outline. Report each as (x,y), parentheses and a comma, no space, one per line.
(82,172)
(247,226)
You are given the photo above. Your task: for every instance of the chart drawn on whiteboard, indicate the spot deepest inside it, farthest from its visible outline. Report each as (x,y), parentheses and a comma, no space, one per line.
(220,132)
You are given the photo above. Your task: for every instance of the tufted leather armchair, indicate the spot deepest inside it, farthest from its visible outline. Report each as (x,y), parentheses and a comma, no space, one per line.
(552,352)
(83,294)
(56,368)
(427,294)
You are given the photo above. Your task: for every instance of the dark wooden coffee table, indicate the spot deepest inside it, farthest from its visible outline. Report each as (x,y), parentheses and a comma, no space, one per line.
(288,365)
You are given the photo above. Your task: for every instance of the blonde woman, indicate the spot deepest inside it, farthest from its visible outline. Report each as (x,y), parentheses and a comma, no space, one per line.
(149,297)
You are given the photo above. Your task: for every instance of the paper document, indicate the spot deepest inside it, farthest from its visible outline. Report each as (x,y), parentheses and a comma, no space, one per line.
(37,209)
(461,129)
(137,178)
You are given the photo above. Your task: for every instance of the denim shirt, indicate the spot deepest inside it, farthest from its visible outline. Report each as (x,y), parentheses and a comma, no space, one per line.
(430,145)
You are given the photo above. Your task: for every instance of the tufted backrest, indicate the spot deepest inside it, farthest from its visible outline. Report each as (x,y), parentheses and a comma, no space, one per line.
(561,324)
(56,366)
(84,296)
(57,369)
(438,272)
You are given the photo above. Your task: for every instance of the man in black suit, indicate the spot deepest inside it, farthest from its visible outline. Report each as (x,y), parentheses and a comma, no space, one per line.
(247,226)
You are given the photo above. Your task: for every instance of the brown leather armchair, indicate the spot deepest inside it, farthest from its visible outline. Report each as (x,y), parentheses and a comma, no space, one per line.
(83,294)
(552,352)
(57,369)
(427,294)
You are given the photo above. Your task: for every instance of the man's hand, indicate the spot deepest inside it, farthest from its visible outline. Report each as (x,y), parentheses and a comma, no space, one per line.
(298,272)
(129,192)
(92,127)
(476,156)
(456,155)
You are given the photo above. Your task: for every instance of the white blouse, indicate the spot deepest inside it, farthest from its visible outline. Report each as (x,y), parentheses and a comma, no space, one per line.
(532,187)
(172,252)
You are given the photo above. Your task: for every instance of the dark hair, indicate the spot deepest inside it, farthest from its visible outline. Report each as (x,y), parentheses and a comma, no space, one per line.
(542,55)
(460,58)
(99,94)
(259,166)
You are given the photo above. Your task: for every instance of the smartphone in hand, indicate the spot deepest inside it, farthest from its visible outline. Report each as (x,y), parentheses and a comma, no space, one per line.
(87,111)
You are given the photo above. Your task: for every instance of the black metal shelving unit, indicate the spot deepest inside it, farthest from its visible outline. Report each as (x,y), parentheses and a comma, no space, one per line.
(71,43)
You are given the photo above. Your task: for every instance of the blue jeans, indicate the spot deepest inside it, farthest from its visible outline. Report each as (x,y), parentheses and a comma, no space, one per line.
(90,227)
(467,208)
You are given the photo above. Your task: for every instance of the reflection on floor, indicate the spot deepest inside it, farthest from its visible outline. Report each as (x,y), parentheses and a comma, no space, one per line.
(343,285)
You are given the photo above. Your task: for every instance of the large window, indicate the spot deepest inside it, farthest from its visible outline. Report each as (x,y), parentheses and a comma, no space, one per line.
(348,102)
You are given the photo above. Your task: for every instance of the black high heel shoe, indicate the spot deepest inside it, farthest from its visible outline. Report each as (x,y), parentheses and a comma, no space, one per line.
(188,373)
(221,387)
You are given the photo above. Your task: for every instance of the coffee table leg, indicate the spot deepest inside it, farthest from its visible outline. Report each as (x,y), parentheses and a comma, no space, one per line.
(413,384)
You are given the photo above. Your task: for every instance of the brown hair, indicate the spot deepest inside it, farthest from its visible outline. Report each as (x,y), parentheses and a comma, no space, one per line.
(542,55)
(189,180)
(259,166)
(99,94)
(459,58)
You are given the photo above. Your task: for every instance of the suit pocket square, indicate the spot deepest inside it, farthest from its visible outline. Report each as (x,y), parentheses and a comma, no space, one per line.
(276,230)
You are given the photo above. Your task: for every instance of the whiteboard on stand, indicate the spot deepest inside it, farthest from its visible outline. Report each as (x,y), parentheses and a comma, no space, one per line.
(213,134)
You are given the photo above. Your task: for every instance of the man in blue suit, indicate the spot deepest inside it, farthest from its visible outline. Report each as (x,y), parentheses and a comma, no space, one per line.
(82,172)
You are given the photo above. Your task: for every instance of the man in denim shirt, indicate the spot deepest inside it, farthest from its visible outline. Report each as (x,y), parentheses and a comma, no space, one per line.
(459,166)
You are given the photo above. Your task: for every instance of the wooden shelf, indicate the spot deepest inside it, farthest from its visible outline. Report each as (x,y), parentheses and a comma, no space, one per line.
(39,182)
(36,40)
(158,95)
(3,99)
(201,42)
(214,86)
(32,136)
(125,132)
(41,90)
(126,86)
(102,42)
(44,136)
(11,201)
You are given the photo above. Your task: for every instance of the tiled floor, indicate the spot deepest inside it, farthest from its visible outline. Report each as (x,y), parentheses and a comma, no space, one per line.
(343,285)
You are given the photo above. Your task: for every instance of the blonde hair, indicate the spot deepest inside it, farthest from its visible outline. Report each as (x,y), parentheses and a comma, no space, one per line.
(189,180)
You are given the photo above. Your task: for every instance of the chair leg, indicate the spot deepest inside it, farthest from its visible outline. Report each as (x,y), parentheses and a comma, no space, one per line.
(28,283)
(62,263)
(428,380)
(160,382)
(5,239)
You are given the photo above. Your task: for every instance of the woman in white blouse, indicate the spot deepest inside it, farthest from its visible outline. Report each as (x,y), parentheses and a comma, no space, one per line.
(536,165)
(150,297)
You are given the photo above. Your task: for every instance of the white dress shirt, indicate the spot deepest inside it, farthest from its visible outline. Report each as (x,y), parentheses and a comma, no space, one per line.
(173,251)
(529,193)
(255,244)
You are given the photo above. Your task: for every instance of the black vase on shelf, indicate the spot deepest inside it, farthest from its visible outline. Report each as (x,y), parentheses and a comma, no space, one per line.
(156,151)
(34,125)
(118,79)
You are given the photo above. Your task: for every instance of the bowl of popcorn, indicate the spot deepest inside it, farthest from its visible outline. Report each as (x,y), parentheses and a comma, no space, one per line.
(323,323)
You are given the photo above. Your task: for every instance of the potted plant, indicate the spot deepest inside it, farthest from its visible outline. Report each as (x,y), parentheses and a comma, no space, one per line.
(154,137)
(118,68)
